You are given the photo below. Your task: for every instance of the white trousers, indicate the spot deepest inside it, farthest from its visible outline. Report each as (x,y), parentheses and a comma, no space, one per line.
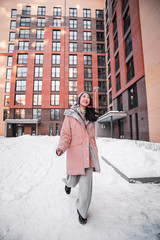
(85,190)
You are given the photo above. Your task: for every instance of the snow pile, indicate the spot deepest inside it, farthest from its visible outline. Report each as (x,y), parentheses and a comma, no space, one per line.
(34,206)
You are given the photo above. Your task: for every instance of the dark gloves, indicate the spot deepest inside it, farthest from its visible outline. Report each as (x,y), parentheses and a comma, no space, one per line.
(59,151)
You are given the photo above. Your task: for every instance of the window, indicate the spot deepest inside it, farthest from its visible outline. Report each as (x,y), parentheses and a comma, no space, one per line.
(19,113)
(73,12)
(55,114)
(128,45)
(7,88)
(25,22)
(37,85)
(57,11)
(102,100)
(6,114)
(87,36)
(127,22)
(110,97)
(87,60)
(86,24)
(100,48)
(72,86)
(102,86)
(23,45)
(72,23)
(6,100)
(57,22)
(73,72)
(37,99)
(117,62)
(22,72)
(54,100)
(8,73)
(88,73)
(114,24)
(20,99)
(39,46)
(102,73)
(88,86)
(11,48)
(56,72)
(108,42)
(11,36)
(56,47)
(118,82)
(110,83)
(13,24)
(13,13)
(24,33)
(87,13)
(56,34)
(41,11)
(56,58)
(20,86)
(26,10)
(72,35)
(100,36)
(39,59)
(133,98)
(87,47)
(73,47)
(55,86)
(22,58)
(37,114)
(40,34)
(57,129)
(72,99)
(101,61)
(108,54)
(99,14)
(130,69)
(9,61)
(119,103)
(99,25)
(38,72)
(72,59)
(40,22)
(116,43)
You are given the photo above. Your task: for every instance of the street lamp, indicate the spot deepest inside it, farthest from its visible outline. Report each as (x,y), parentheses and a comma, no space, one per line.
(96,89)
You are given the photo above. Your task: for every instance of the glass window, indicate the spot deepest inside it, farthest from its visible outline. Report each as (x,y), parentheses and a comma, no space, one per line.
(38,72)
(23,45)
(73,12)
(130,69)
(102,100)
(120,103)
(87,60)
(56,58)
(22,58)
(73,23)
(127,21)
(55,114)
(88,73)
(26,10)
(72,99)
(56,72)
(87,13)
(118,82)
(73,47)
(11,36)
(25,22)
(101,61)
(86,24)
(72,86)
(72,35)
(102,73)
(55,86)
(20,99)
(88,86)
(100,36)
(6,114)
(73,72)
(56,34)
(37,99)
(40,34)
(6,100)
(99,14)
(8,73)
(41,11)
(39,46)
(13,24)
(87,47)
(57,22)
(40,22)
(11,48)
(7,88)
(37,114)
(20,85)
(39,59)
(57,11)
(99,25)
(24,33)
(117,62)
(37,85)
(87,36)
(54,100)
(13,13)
(19,113)
(102,86)
(128,45)
(21,71)
(57,129)
(133,97)
(100,48)
(56,47)
(72,59)
(9,61)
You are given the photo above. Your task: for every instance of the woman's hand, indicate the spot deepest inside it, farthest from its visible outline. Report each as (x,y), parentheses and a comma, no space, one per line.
(59,152)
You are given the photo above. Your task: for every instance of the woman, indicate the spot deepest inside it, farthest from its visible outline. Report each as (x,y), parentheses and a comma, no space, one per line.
(78,138)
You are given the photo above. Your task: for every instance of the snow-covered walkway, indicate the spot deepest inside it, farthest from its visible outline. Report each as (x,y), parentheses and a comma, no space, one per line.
(34,206)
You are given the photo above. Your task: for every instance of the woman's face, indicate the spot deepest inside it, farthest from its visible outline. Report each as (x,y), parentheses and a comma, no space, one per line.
(85,100)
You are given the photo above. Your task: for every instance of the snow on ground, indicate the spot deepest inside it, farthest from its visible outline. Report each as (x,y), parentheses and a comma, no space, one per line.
(34,206)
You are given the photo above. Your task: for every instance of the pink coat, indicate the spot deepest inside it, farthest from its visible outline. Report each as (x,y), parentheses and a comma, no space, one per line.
(79,142)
